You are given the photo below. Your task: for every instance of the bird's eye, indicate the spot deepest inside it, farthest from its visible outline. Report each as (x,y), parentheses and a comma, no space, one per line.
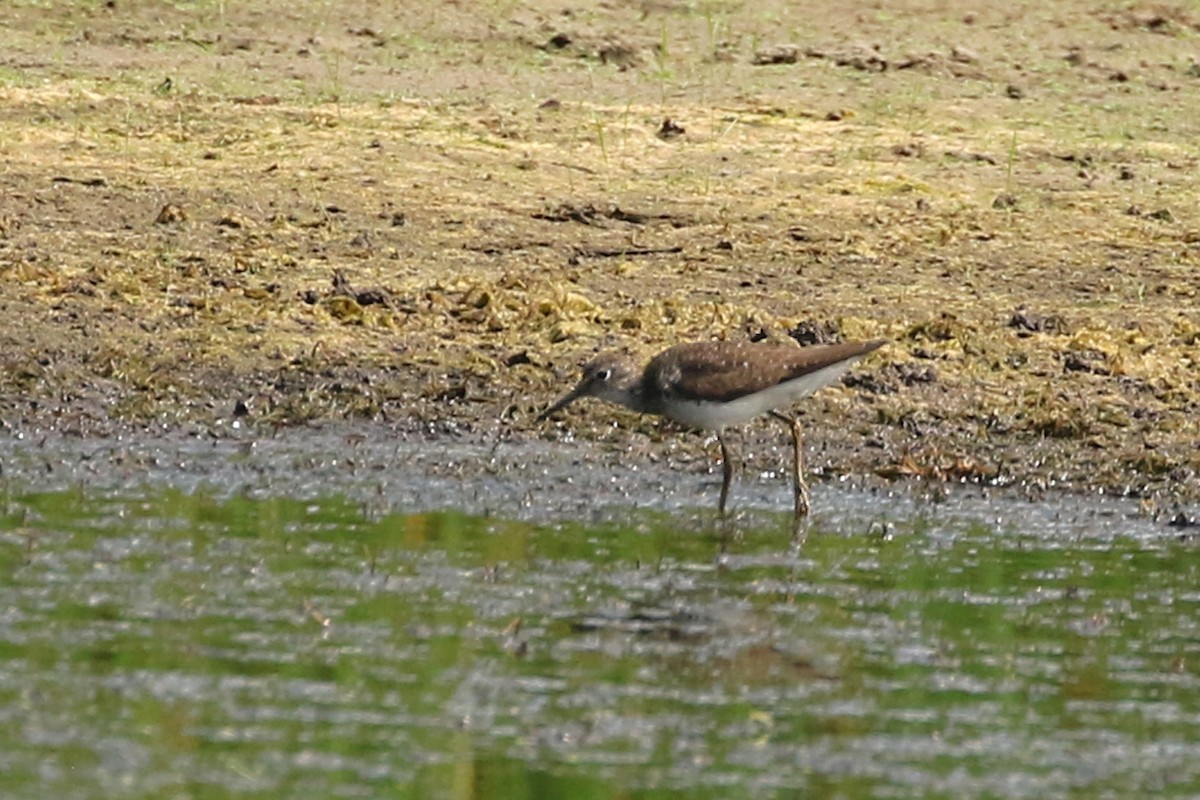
(604,375)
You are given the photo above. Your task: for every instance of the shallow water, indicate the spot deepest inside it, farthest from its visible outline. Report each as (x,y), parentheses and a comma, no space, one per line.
(316,615)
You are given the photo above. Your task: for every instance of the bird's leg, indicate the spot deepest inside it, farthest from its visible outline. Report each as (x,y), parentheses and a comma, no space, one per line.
(799,486)
(727,472)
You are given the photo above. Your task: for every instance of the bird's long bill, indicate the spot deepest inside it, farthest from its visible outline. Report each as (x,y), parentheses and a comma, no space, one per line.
(563,402)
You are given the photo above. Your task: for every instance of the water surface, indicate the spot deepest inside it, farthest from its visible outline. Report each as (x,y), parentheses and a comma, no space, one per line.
(318,616)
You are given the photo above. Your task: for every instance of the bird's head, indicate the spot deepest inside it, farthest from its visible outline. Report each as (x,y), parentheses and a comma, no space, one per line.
(609,376)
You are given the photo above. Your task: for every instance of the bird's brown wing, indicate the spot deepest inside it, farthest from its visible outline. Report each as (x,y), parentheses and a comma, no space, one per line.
(722,371)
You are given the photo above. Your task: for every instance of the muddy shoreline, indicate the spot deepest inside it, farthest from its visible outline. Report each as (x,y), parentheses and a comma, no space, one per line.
(426,229)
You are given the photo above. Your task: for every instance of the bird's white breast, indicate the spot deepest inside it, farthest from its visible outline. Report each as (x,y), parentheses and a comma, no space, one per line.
(710,415)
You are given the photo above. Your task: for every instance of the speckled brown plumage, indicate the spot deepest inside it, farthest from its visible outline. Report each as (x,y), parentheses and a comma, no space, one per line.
(723,371)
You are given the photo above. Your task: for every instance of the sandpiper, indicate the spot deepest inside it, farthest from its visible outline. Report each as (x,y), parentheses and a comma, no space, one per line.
(715,385)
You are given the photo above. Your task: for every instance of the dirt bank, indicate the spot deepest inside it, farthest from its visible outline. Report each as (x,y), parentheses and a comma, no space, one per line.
(427,216)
